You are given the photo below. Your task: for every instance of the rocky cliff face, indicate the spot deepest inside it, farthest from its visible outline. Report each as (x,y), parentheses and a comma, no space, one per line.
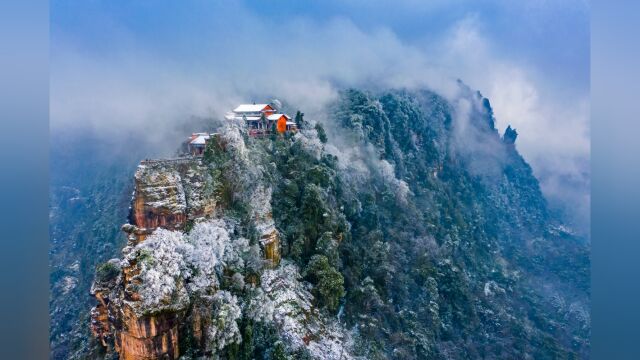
(121,321)
(120,326)
(148,337)
(168,194)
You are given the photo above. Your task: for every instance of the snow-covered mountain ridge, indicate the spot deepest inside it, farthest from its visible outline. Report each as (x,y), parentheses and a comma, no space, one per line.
(405,227)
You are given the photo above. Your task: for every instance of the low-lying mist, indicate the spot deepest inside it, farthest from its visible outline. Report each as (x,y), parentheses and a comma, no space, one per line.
(152,97)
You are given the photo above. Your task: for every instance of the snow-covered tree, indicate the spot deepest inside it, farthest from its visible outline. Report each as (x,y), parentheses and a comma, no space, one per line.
(162,267)
(224,329)
(209,249)
(204,253)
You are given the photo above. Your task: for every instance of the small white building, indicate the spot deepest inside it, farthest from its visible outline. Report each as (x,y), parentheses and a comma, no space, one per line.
(197,143)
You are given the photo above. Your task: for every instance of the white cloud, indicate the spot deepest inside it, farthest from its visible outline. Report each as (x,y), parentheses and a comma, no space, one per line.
(135,89)
(552,122)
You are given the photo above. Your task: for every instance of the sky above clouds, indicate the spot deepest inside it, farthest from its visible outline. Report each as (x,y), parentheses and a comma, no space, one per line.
(123,65)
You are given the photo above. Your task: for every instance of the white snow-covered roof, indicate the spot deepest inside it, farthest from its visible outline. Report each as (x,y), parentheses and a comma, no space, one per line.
(277,116)
(291,122)
(200,138)
(248,118)
(250,108)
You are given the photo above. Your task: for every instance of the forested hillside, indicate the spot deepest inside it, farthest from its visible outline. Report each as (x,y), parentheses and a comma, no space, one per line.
(89,198)
(439,229)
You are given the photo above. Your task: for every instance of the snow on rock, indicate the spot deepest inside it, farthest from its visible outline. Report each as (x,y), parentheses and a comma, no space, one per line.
(232,137)
(198,188)
(162,188)
(261,209)
(68,283)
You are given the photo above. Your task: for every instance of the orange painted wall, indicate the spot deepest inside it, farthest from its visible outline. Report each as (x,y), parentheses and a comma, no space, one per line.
(282,124)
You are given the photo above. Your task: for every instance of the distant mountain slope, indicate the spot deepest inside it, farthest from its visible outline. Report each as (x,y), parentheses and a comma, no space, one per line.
(90,191)
(469,263)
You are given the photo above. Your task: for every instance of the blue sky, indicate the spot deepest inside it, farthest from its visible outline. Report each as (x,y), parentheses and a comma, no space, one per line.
(119,65)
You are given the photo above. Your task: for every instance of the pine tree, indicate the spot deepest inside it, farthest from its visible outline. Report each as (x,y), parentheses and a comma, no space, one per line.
(279,352)
(299,119)
(322,135)
(329,283)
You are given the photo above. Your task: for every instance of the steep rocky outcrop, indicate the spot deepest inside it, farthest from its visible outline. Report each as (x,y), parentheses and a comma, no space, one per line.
(271,245)
(100,327)
(144,307)
(263,218)
(119,328)
(148,337)
(122,323)
(169,193)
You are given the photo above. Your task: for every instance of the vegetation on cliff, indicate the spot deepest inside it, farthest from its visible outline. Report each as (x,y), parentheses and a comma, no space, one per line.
(438,228)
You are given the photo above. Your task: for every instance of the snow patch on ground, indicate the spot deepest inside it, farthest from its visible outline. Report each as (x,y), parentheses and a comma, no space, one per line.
(68,283)
(491,288)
